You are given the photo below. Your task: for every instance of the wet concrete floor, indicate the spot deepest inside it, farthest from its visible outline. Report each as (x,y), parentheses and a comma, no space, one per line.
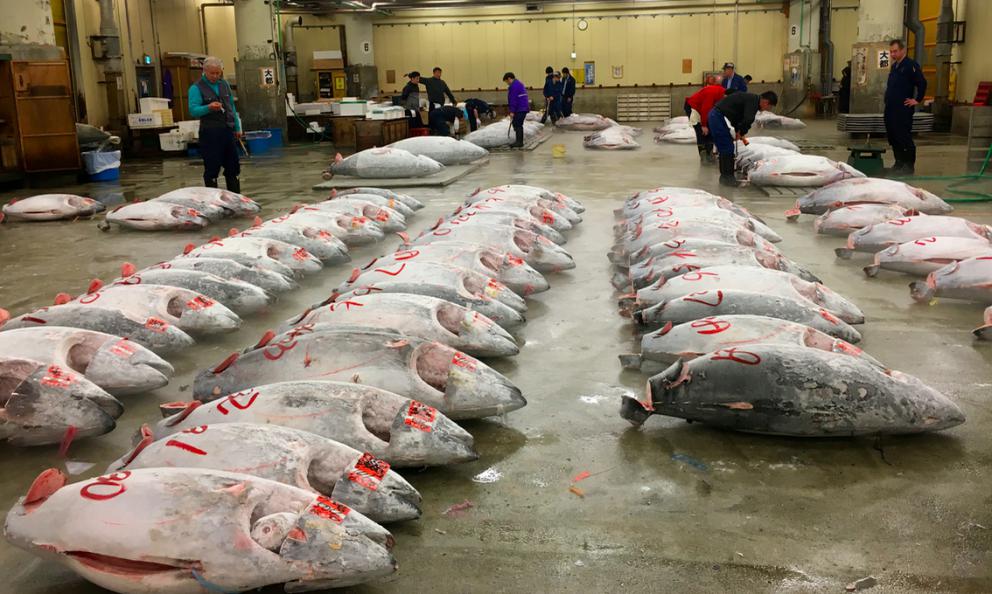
(669,507)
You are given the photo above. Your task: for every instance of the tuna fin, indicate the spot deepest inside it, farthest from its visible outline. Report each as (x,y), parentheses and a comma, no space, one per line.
(256,222)
(95,285)
(477,190)
(633,411)
(355,273)
(334,194)
(127,269)
(338,158)
(983,332)
(226,363)
(295,208)
(921,291)
(189,247)
(792,214)
(844,253)
(666,328)
(269,335)
(404,236)
(62,299)
(180,417)
(214,239)
(146,439)
(4,316)
(70,434)
(630,361)
(46,484)
(871,271)
(232,232)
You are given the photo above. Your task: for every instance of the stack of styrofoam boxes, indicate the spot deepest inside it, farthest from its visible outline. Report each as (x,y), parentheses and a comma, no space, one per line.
(350,106)
(385,111)
(155,113)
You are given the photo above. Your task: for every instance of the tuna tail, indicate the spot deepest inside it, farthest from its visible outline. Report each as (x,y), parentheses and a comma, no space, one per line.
(633,411)
(871,270)
(984,332)
(922,291)
(626,304)
(622,282)
(844,253)
(4,316)
(792,214)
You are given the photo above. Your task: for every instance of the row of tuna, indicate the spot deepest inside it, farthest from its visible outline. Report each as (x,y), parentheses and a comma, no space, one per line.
(500,134)
(769,161)
(185,208)
(107,341)
(752,341)
(282,470)
(908,230)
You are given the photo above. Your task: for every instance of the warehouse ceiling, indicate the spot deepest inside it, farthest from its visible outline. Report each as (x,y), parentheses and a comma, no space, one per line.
(385,6)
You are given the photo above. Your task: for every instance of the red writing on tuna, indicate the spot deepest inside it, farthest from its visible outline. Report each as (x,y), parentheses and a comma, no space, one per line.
(369,471)
(232,399)
(56,377)
(123,348)
(330,509)
(156,325)
(106,487)
(736,355)
(464,361)
(712,298)
(346,304)
(698,276)
(710,326)
(420,416)
(199,302)
(393,272)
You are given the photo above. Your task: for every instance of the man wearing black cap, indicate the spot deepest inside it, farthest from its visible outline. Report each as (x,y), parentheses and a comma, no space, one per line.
(733,82)
(739,109)
(549,92)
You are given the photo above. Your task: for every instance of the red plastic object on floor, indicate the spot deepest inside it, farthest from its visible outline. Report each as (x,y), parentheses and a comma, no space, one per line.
(982,95)
(419,132)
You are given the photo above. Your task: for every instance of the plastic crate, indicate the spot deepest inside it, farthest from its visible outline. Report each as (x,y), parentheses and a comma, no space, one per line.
(114,173)
(258,141)
(172,141)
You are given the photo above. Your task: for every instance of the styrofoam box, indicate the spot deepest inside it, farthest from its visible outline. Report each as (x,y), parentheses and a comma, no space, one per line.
(350,108)
(172,141)
(327,55)
(152,104)
(144,120)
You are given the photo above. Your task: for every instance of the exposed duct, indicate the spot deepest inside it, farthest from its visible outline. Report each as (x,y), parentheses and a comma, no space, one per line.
(289,55)
(945,33)
(914,24)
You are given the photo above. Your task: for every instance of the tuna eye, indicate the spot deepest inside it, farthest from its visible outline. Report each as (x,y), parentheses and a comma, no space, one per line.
(269,531)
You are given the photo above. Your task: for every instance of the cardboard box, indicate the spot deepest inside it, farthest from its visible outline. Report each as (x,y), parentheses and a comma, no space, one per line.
(327,55)
(144,120)
(327,64)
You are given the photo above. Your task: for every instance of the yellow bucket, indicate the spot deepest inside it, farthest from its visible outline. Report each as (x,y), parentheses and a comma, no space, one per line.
(558,151)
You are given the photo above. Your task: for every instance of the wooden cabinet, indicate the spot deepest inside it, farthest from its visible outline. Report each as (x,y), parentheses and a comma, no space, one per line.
(37,122)
(370,133)
(183,71)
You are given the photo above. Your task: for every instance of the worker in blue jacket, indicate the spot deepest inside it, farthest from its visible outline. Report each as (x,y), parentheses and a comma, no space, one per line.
(556,96)
(211,102)
(567,92)
(904,90)
(733,82)
(548,92)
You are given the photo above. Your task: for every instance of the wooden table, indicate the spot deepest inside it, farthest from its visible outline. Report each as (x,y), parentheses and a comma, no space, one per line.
(370,133)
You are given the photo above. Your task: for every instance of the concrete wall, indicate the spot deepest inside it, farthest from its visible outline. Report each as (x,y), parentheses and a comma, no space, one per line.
(649,44)
(26,21)
(975,52)
(318,33)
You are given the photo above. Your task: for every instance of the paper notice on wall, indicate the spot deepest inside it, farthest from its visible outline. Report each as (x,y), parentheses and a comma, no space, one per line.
(267,77)
(861,66)
(617,71)
(883,58)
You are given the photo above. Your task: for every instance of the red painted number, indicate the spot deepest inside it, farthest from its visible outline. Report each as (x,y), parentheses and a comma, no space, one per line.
(89,298)
(369,471)
(675,243)
(925,241)
(106,487)
(698,276)
(56,377)
(391,272)
(669,225)
(156,325)
(737,355)
(199,302)
(693,297)
(710,326)
(347,305)
(233,401)
(463,361)
(406,255)
(123,348)
(900,222)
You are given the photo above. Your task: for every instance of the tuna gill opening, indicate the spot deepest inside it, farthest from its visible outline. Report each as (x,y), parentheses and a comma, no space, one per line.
(175,306)
(80,355)
(433,364)
(128,567)
(450,316)
(474,283)
(490,261)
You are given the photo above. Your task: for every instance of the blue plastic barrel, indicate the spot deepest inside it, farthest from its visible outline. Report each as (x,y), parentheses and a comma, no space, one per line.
(258,141)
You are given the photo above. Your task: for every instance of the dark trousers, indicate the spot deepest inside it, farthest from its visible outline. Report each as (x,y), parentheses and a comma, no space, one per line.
(518,122)
(720,132)
(555,109)
(702,139)
(219,148)
(899,128)
(439,126)
(566,106)
(473,120)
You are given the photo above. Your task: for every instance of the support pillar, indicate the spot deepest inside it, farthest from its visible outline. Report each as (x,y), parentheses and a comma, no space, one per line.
(359,54)
(261,92)
(26,30)
(879,22)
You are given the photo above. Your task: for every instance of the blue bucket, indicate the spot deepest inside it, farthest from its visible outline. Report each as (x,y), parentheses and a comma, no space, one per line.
(276,140)
(114,173)
(258,141)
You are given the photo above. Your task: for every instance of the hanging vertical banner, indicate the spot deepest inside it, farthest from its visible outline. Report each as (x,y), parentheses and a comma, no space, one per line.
(590,70)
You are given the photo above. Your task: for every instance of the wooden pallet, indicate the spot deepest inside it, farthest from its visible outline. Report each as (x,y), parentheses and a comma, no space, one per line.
(979,137)
(644,107)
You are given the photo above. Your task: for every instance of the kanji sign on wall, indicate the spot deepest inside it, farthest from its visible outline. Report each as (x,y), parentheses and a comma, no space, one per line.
(267,76)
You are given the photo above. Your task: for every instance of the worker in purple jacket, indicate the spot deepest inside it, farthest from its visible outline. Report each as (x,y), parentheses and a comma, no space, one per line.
(519,104)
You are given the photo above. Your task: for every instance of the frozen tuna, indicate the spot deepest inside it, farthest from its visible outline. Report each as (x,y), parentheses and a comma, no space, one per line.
(50,207)
(401,431)
(870,190)
(928,254)
(969,279)
(443,149)
(800,392)
(801,170)
(383,163)
(875,238)
(156,216)
(176,529)
(844,221)
(290,456)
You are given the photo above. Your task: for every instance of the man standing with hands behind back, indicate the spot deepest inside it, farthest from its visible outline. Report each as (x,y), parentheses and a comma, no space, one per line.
(211,102)
(903,92)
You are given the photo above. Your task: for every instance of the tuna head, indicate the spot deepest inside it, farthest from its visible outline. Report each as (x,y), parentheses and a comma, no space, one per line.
(471,388)
(421,435)
(366,483)
(519,276)
(124,367)
(543,254)
(51,403)
(486,337)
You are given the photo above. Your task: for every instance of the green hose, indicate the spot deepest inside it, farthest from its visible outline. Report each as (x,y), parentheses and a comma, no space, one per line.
(963,180)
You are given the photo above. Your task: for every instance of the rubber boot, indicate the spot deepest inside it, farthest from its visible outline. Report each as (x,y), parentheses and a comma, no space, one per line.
(727,177)
(520,139)
(210,182)
(710,157)
(703,158)
(233,183)
(897,167)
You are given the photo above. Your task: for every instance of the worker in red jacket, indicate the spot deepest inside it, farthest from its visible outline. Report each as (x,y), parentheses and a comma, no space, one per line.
(699,105)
